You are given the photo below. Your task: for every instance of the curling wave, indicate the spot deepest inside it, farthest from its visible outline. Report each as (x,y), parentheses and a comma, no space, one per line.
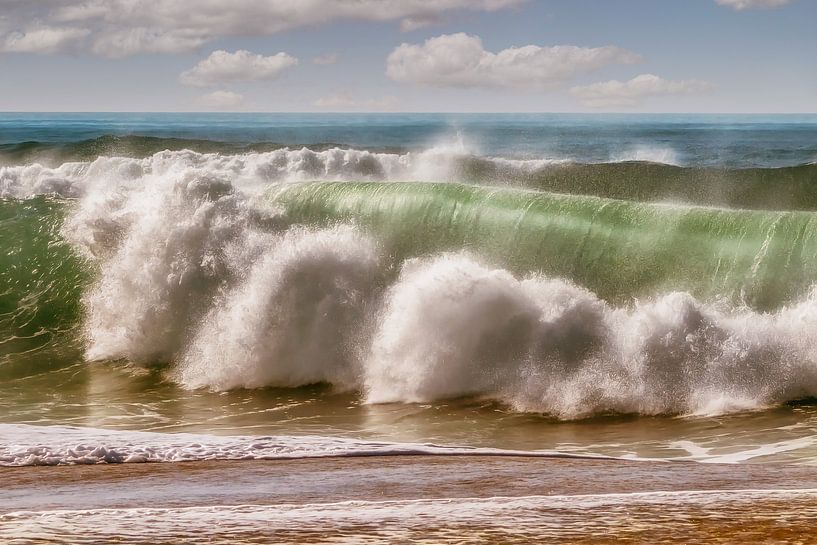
(618,249)
(409,292)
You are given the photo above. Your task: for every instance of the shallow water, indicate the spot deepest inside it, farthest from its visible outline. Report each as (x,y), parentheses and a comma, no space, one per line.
(119,397)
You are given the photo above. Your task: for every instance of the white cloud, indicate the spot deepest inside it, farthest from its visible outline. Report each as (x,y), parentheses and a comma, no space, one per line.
(124,27)
(630,93)
(117,44)
(43,40)
(460,60)
(413,23)
(326,58)
(225,67)
(343,101)
(221,100)
(753,4)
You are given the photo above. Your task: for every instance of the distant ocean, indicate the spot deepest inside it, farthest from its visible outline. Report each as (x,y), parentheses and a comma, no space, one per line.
(637,286)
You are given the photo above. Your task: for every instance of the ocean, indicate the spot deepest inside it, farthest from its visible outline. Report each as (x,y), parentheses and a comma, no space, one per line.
(206,287)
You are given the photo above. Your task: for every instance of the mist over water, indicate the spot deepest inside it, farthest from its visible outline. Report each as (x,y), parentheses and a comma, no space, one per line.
(438,277)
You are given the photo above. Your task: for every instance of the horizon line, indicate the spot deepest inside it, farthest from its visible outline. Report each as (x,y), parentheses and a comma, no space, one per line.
(429,112)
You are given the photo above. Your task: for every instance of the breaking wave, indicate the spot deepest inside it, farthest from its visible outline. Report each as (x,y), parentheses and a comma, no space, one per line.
(231,274)
(643,175)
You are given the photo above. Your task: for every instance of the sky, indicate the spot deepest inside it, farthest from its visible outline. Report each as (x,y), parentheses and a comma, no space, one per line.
(724,56)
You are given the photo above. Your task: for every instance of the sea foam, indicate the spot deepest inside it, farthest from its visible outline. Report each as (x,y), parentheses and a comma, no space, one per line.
(27,445)
(253,171)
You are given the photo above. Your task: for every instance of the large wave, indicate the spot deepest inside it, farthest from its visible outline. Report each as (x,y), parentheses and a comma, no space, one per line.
(566,305)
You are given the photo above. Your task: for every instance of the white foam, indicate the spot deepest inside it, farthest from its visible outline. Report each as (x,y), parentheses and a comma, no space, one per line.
(292,321)
(450,326)
(249,171)
(27,445)
(704,454)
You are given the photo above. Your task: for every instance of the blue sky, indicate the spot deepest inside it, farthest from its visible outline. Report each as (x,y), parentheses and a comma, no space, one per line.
(409,55)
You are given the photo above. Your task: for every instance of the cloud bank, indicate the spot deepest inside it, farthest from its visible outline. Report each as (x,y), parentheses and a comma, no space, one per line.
(741,5)
(326,59)
(460,60)
(631,93)
(42,40)
(117,28)
(225,67)
(221,100)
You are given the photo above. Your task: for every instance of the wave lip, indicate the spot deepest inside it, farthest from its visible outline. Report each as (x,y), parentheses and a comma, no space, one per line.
(618,249)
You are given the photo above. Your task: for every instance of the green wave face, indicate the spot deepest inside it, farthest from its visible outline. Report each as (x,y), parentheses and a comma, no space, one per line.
(618,249)
(41,283)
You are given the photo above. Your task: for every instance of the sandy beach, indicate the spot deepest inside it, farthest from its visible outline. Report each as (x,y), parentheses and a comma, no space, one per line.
(462,499)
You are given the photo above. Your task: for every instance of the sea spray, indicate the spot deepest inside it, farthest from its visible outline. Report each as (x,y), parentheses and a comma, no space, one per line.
(164,250)
(451,326)
(572,306)
(294,318)
(251,170)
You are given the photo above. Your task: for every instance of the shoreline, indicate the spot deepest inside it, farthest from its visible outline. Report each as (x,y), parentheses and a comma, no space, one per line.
(381,478)
(408,499)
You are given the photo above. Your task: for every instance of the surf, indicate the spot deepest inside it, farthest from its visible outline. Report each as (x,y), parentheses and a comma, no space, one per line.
(232,272)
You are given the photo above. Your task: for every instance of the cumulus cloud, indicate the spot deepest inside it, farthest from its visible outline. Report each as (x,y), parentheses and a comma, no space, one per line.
(344,101)
(460,60)
(118,28)
(221,100)
(630,93)
(326,58)
(225,67)
(43,40)
(741,5)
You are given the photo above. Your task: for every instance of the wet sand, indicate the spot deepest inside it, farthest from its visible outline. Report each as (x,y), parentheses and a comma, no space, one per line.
(376,478)
(460,499)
